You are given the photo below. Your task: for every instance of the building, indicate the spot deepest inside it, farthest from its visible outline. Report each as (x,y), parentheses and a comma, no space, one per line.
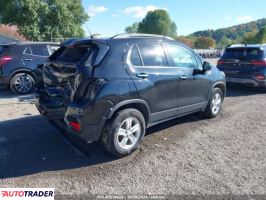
(7,40)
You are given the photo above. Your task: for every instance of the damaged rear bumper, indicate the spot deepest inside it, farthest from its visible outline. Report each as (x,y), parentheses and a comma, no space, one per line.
(52,107)
(78,120)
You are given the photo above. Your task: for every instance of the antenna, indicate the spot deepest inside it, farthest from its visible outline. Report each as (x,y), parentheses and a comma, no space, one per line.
(88,29)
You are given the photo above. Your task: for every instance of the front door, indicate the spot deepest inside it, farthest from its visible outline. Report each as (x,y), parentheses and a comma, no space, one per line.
(193,83)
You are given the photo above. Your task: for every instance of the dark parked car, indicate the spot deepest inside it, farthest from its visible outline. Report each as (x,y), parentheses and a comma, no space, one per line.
(113,89)
(244,64)
(18,62)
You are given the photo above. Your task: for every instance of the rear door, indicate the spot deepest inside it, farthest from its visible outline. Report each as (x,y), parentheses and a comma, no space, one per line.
(35,55)
(155,81)
(193,83)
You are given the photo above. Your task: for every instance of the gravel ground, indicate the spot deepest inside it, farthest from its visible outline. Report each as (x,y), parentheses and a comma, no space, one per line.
(187,156)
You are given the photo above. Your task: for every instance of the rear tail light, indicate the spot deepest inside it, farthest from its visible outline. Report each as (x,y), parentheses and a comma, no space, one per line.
(260,77)
(4,60)
(75,126)
(259,62)
(220,62)
(88,90)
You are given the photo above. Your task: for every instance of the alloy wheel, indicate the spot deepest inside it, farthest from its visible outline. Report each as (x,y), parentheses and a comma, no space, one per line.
(24,83)
(216,103)
(128,133)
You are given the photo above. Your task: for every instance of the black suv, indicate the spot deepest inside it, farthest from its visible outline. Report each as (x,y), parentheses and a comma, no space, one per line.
(113,89)
(18,62)
(244,64)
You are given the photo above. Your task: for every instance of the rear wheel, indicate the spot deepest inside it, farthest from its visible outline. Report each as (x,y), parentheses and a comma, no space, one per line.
(22,83)
(124,132)
(214,105)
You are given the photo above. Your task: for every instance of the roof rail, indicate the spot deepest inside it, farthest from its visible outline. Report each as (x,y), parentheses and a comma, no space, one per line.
(139,35)
(238,45)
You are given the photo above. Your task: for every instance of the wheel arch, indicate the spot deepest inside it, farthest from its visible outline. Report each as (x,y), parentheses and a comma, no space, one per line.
(138,104)
(221,85)
(22,70)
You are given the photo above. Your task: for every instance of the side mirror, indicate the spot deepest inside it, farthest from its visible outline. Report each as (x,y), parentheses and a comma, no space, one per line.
(206,66)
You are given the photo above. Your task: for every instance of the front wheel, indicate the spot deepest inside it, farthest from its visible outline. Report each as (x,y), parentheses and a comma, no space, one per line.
(214,105)
(22,83)
(124,132)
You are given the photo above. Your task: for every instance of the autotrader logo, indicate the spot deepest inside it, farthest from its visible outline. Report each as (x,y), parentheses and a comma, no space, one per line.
(27,193)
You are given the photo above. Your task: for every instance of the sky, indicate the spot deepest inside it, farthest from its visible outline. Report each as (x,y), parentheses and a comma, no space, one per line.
(110,17)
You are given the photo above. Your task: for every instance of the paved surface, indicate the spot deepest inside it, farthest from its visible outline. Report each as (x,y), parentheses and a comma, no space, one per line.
(190,155)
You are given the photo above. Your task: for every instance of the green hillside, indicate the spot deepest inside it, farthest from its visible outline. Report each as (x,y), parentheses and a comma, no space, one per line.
(234,33)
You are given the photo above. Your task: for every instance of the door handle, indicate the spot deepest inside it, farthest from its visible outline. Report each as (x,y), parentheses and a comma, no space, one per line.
(142,75)
(183,77)
(28,59)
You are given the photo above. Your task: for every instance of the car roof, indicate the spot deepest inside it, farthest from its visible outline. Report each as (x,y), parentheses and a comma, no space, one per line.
(29,43)
(247,46)
(36,43)
(125,38)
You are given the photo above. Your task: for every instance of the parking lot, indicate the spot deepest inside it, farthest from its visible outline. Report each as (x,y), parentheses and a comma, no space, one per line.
(190,155)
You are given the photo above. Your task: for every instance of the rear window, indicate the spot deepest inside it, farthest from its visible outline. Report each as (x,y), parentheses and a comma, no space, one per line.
(74,54)
(247,53)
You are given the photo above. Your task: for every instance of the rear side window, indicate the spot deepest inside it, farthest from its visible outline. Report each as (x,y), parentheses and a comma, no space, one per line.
(152,55)
(39,50)
(28,51)
(238,53)
(74,54)
(135,57)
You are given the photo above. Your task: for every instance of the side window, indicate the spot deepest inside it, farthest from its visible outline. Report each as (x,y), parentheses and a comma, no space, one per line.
(53,48)
(135,57)
(39,50)
(152,55)
(199,61)
(27,51)
(181,56)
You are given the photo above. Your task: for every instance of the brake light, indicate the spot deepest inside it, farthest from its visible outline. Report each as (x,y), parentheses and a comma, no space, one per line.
(259,62)
(220,62)
(4,60)
(260,77)
(75,126)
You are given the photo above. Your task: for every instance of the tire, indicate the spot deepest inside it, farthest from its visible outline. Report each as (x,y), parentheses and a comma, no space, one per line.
(22,83)
(214,105)
(118,137)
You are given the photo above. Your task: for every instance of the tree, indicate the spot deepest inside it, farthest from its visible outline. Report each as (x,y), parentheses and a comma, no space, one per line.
(204,43)
(40,20)
(157,22)
(261,36)
(133,28)
(11,31)
(224,42)
(185,40)
(249,38)
(173,29)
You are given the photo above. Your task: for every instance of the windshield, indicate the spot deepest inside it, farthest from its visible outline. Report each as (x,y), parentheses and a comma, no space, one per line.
(243,53)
